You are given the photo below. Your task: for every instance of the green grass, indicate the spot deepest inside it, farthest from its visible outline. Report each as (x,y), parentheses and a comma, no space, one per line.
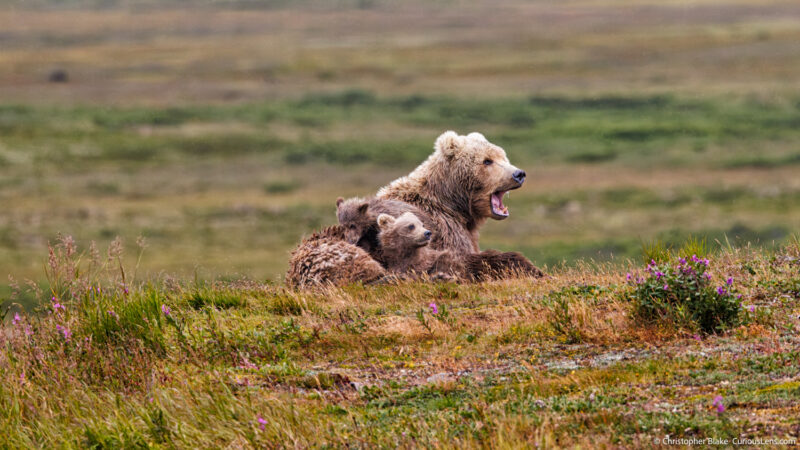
(250,179)
(556,362)
(637,130)
(224,139)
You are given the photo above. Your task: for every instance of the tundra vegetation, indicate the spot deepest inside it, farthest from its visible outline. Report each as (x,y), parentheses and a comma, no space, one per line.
(578,358)
(222,132)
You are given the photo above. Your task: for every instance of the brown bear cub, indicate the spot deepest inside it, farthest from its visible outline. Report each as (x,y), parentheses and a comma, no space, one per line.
(359,218)
(404,246)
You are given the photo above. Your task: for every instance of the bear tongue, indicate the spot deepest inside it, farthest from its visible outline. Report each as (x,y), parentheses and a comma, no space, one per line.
(497,204)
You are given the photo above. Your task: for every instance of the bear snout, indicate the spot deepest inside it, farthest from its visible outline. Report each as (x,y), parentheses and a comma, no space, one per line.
(427,234)
(519,176)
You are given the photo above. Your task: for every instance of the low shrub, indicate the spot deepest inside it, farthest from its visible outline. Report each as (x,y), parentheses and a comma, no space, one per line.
(683,293)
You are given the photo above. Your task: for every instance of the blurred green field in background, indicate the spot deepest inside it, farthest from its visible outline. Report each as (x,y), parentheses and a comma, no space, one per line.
(223,132)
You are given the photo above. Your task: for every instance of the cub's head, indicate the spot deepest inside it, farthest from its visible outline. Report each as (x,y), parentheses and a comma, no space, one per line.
(406,231)
(476,172)
(354,216)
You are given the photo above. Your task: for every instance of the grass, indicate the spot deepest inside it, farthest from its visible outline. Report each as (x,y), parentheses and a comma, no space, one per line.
(556,362)
(249,177)
(224,140)
(222,132)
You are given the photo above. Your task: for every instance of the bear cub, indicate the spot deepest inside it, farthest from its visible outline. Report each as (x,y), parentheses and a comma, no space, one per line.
(359,218)
(404,246)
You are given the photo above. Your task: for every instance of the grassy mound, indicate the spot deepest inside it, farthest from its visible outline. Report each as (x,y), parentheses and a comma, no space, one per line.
(567,360)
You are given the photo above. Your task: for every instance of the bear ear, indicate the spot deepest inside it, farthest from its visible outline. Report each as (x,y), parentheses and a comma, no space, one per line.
(384,220)
(477,137)
(339,201)
(362,208)
(449,143)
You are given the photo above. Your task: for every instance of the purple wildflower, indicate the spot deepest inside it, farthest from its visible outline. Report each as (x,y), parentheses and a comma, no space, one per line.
(56,304)
(718,403)
(666,287)
(708,275)
(434,308)
(695,258)
(628,276)
(738,296)
(17,319)
(246,364)
(721,291)
(659,274)
(113,314)
(752,308)
(262,422)
(682,260)
(696,337)
(166,310)
(65,331)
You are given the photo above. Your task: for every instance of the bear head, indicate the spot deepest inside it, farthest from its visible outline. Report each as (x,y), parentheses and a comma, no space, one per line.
(404,233)
(475,174)
(354,217)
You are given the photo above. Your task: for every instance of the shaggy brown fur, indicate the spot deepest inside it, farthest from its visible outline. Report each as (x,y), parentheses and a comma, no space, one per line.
(405,246)
(325,258)
(454,187)
(359,218)
(494,265)
(458,188)
(453,192)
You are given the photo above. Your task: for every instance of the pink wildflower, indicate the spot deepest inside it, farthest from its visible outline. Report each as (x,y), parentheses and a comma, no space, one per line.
(729,281)
(166,310)
(628,276)
(721,291)
(717,403)
(262,422)
(752,308)
(17,319)
(434,309)
(56,304)
(708,275)
(666,287)
(65,331)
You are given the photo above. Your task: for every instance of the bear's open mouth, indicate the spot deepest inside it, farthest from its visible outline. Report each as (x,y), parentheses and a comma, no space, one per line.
(498,208)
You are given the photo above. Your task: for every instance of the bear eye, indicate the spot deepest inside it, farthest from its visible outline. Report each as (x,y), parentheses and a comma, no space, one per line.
(487,162)
(411,227)
(352,226)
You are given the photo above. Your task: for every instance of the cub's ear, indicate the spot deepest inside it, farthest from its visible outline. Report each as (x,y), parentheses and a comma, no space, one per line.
(449,143)
(385,220)
(339,202)
(362,208)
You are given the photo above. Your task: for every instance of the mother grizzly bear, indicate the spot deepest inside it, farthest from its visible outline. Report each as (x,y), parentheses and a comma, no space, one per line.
(459,186)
